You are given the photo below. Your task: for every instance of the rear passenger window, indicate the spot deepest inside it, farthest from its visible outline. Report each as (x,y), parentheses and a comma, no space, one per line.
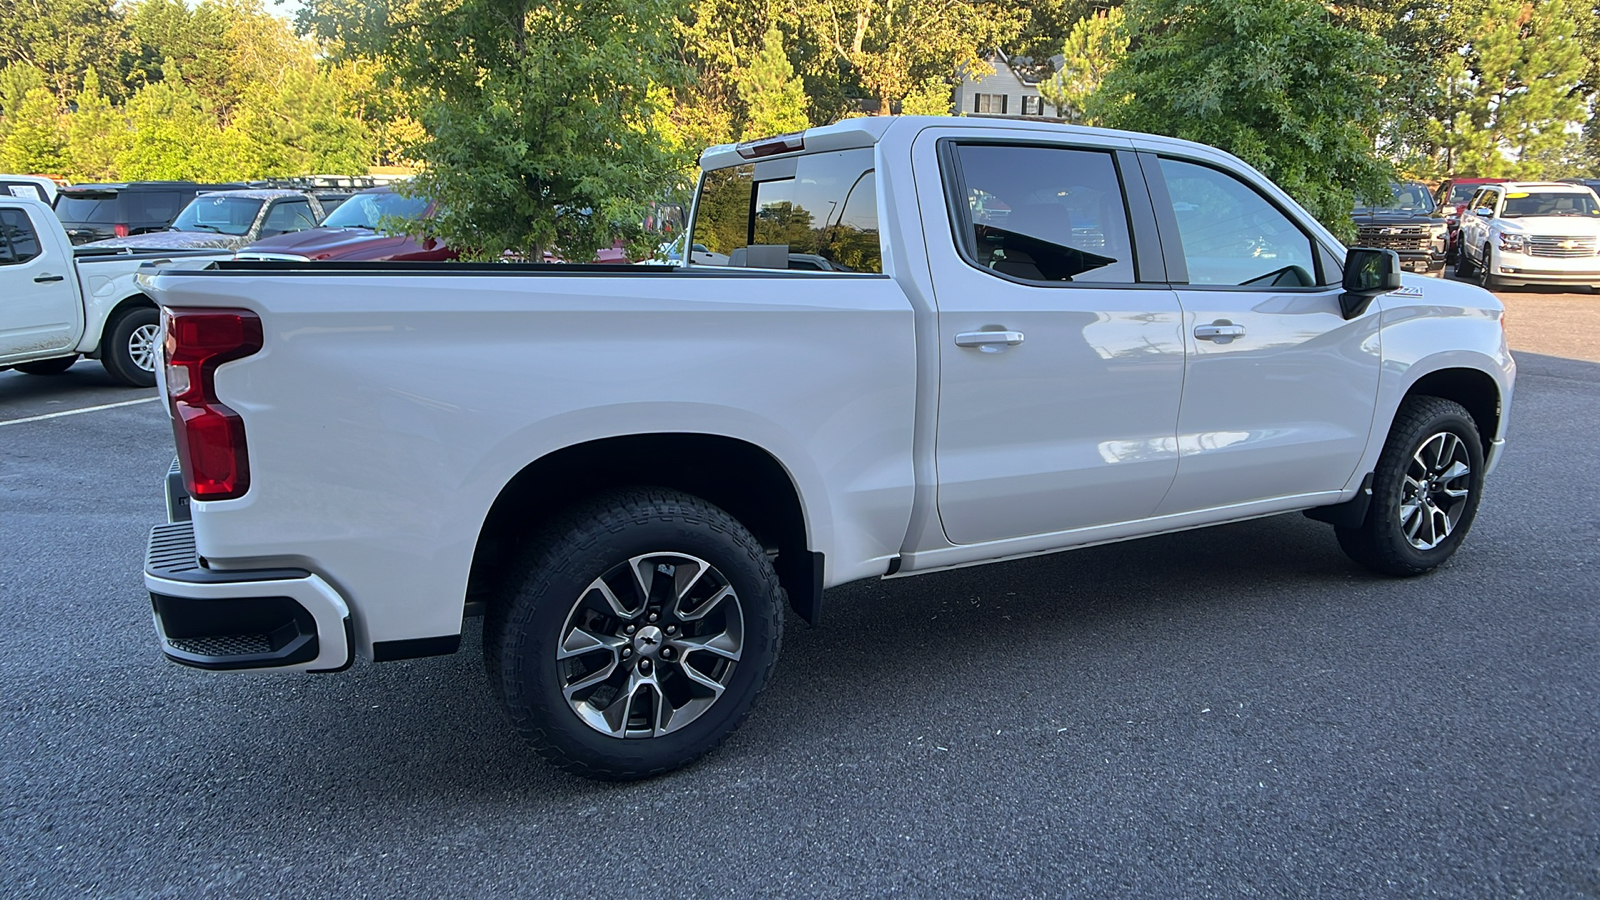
(18,240)
(1047,214)
(816,213)
(1231,235)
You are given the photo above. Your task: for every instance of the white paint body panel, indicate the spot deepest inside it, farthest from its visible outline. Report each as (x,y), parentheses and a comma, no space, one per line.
(387,412)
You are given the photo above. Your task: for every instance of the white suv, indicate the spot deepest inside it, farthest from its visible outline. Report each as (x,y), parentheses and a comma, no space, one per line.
(1520,233)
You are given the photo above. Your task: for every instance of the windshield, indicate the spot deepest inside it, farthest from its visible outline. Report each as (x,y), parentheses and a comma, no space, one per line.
(1524,204)
(218,215)
(97,208)
(366,210)
(1407,197)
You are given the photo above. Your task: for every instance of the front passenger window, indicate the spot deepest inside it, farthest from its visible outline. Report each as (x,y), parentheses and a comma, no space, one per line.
(1231,235)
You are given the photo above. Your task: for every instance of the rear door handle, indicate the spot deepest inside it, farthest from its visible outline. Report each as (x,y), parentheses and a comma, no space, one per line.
(1222,331)
(46,279)
(989,341)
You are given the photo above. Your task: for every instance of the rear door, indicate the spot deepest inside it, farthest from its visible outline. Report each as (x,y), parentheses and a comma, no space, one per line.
(1061,346)
(1279,388)
(40,311)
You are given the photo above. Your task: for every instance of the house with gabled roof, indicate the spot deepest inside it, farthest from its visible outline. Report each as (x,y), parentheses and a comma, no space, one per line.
(1013,89)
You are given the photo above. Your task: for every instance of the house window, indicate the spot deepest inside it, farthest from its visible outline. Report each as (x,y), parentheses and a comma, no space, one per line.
(990,103)
(1033,106)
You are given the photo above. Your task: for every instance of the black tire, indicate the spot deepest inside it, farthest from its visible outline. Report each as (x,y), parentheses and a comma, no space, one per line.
(1464,267)
(524,629)
(1486,279)
(47,366)
(116,351)
(1381,542)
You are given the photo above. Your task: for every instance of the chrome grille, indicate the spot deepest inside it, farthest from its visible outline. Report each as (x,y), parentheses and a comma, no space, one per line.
(1560,247)
(1394,237)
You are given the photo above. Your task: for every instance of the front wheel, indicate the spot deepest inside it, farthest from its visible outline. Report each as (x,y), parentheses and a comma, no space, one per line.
(129,349)
(47,366)
(1486,277)
(1464,268)
(1425,490)
(642,627)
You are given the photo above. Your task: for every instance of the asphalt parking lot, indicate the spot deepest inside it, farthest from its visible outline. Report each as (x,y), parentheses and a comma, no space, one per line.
(1235,712)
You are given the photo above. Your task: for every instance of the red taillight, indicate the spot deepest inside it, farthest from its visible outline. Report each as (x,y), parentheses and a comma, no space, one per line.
(783,143)
(210,436)
(119,230)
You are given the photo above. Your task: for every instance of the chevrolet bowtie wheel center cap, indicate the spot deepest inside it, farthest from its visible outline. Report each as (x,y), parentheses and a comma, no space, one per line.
(648,641)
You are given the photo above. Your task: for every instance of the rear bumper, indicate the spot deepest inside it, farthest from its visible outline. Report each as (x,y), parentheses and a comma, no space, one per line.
(279,619)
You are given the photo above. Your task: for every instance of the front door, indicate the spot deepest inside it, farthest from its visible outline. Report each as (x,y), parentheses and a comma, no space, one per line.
(1279,389)
(1060,371)
(39,305)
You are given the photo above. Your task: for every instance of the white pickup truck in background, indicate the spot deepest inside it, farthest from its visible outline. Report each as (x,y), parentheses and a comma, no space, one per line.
(57,304)
(925,343)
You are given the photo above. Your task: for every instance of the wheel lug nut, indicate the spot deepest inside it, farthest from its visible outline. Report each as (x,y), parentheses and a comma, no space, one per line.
(653,617)
(630,629)
(627,652)
(672,629)
(666,653)
(644,666)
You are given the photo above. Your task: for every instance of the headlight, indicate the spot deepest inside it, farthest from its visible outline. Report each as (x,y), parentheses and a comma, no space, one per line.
(1512,243)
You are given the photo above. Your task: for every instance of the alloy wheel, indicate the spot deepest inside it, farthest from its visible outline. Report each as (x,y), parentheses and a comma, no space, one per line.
(650,645)
(142,347)
(1434,493)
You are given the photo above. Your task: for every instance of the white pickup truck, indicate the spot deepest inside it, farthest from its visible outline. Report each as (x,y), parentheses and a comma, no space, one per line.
(933,343)
(57,304)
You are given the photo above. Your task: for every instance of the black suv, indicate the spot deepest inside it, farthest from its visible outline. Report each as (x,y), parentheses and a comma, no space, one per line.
(1406,221)
(95,212)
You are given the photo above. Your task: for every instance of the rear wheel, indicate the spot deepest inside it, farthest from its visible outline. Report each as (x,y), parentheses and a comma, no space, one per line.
(129,350)
(642,627)
(47,366)
(1425,490)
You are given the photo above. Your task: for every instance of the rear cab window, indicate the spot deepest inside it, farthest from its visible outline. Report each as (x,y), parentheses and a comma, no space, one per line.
(19,242)
(91,207)
(813,213)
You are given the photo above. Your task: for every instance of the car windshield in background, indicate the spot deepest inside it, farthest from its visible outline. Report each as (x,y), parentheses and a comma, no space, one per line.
(218,215)
(1521,205)
(1408,197)
(78,207)
(368,210)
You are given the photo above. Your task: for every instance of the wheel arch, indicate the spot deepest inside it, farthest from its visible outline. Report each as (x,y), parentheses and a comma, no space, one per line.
(1475,389)
(132,301)
(740,477)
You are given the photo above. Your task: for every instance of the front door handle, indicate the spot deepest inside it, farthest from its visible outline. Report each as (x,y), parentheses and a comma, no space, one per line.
(989,341)
(46,279)
(1222,331)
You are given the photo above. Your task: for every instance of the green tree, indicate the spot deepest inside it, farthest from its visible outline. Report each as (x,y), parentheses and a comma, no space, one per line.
(1276,82)
(95,132)
(539,116)
(774,98)
(63,39)
(16,80)
(1514,91)
(930,98)
(35,141)
(1094,47)
(173,136)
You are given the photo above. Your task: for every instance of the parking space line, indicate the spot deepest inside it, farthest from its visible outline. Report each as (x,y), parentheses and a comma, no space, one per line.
(74,412)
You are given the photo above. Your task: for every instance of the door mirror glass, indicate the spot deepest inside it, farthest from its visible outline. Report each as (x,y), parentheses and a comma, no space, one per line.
(1367,273)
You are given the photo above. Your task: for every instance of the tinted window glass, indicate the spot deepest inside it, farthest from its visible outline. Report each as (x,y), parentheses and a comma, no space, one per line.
(289,215)
(23,189)
(1231,234)
(100,209)
(18,241)
(218,215)
(1046,214)
(367,210)
(1522,204)
(156,208)
(1459,193)
(821,218)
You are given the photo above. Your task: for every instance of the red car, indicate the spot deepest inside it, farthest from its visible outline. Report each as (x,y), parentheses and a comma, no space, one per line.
(1451,198)
(351,233)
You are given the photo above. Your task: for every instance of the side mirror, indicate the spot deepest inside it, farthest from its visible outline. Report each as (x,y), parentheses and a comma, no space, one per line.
(1484,212)
(1367,273)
